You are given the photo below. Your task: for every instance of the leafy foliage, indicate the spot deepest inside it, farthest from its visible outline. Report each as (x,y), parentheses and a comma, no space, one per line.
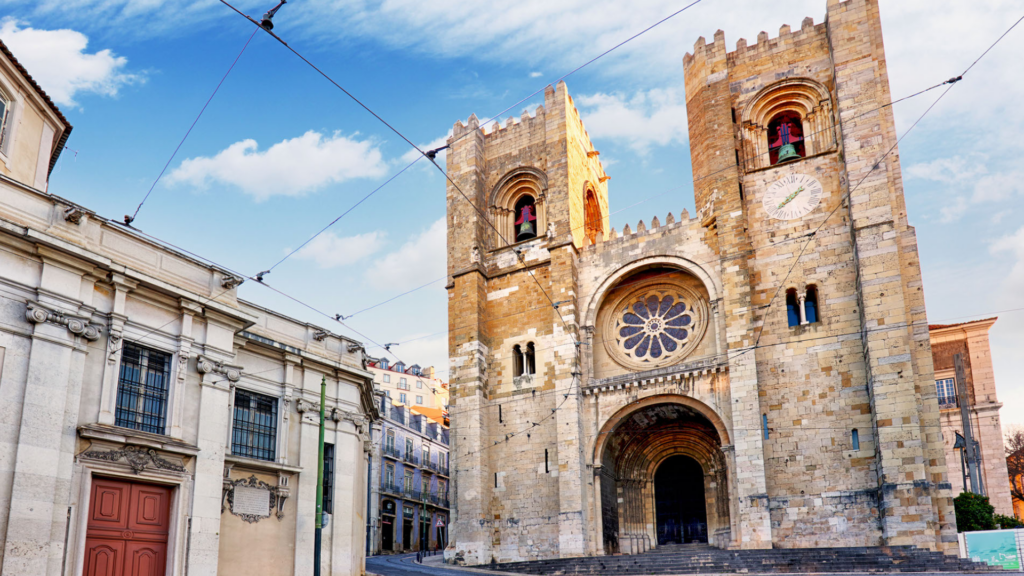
(973,512)
(1005,522)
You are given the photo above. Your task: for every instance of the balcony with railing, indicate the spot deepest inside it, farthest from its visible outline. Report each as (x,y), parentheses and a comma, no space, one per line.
(392,452)
(392,488)
(437,468)
(439,500)
(411,458)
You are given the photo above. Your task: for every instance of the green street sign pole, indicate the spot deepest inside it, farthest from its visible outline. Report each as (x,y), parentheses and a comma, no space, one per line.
(320,483)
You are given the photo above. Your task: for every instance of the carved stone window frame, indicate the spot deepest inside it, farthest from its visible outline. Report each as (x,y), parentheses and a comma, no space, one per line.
(806,97)
(513,186)
(155,340)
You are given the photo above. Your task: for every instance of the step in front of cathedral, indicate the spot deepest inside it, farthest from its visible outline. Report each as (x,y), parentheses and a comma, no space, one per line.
(705,559)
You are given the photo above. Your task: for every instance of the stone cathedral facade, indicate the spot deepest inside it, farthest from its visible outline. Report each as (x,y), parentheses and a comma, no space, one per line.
(754,375)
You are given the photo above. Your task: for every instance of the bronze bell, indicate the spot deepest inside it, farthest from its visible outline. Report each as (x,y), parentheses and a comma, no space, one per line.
(788,152)
(525,231)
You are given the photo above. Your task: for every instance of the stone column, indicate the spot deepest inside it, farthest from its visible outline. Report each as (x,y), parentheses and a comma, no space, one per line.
(46,441)
(305,498)
(216,387)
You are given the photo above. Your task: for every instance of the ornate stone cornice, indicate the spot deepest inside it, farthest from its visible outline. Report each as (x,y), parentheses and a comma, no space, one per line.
(206,365)
(137,457)
(303,406)
(231,282)
(78,325)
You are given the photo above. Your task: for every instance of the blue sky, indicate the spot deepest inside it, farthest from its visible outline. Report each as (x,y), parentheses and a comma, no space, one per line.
(280,152)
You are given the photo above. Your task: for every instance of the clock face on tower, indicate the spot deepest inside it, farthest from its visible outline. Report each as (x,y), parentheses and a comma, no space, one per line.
(792,196)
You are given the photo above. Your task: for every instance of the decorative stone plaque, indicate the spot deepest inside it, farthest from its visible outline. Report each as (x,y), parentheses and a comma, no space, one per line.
(251,502)
(252,499)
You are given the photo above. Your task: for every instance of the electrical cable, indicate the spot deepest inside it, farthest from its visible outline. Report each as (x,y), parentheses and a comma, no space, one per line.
(430,154)
(324,74)
(129,219)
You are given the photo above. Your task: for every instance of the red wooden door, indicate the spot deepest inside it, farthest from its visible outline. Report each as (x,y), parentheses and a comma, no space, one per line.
(127,530)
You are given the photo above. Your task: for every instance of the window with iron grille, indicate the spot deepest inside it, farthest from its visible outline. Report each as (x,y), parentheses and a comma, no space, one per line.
(255,428)
(329,478)
(142,389)
(946,389)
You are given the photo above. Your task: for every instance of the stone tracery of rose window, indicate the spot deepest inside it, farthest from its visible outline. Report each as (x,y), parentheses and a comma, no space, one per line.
(655,325)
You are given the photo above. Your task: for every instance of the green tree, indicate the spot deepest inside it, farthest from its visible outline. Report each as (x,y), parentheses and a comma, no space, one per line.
(973,512)
(1008,521)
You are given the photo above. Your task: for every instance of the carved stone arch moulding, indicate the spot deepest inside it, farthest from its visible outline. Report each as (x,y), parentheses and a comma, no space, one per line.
(811,100)
(655,324)
(513,186)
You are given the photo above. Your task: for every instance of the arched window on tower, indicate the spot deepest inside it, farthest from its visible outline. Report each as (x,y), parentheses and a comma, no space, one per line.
(517,360)
(592,221)
(811,305)
(525,218)
(786,138)
(530,360)
(792,308)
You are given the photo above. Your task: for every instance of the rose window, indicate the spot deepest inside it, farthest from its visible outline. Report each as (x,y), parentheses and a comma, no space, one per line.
(656,326)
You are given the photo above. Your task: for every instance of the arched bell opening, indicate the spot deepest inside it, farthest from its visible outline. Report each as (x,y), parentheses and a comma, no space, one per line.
(663,478)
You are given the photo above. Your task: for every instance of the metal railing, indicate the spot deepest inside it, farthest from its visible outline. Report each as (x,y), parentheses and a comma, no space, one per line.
(391,452)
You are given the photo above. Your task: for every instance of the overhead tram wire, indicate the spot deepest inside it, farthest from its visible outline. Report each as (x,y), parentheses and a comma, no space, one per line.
(129,219)
(430,154)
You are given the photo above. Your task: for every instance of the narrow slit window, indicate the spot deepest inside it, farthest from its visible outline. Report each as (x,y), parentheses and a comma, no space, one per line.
(811,305)
(764,425)
(546,470)
(495,479)
(529,360)
(499,414)
(792,308)
(856,439)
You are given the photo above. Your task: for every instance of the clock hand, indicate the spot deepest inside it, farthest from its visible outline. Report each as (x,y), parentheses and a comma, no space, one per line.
(791,197)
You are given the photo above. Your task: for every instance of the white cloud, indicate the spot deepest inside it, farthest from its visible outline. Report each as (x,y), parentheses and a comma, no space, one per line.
(536,74)
(948,170)
(967,182)
(646,118)
(57,60)
(1012,245)
(289,168)
(329,250)
(419,260)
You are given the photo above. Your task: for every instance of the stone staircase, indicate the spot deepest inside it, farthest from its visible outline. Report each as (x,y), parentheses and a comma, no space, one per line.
(702,559)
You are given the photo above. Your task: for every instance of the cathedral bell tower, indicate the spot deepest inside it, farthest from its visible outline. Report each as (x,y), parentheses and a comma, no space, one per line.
(798,193)
(528,196)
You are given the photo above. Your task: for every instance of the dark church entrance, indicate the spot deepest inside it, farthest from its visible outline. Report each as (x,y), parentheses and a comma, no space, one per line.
(679,496)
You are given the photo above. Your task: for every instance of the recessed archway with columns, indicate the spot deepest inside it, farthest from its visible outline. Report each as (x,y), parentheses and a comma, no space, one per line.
(629,450)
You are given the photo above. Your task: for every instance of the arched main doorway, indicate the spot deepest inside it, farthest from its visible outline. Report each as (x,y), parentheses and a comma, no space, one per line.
(663,475)
(680,509)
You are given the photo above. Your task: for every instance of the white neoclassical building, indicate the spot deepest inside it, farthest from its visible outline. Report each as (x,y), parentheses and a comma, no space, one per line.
(151,422)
